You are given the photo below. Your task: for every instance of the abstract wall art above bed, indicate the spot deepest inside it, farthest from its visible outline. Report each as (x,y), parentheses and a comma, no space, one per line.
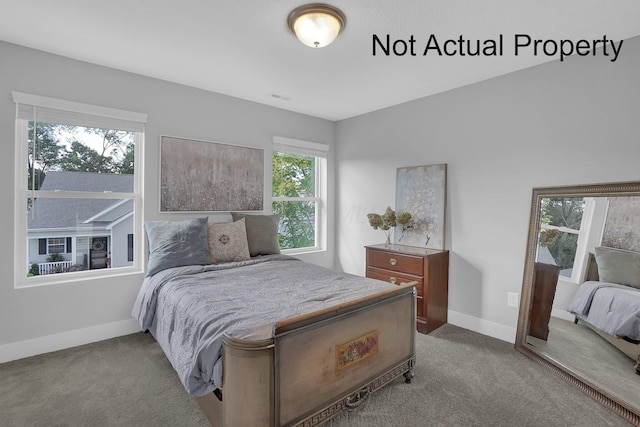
(200,176)
(622,229)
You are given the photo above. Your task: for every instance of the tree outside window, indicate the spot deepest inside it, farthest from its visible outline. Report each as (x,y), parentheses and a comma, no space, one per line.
(560,222)
(295,199)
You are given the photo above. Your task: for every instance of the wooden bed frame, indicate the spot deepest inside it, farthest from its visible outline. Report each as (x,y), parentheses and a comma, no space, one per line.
(317,364)
(630,349)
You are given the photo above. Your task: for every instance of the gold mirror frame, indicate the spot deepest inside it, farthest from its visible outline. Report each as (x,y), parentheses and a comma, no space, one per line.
(631,188)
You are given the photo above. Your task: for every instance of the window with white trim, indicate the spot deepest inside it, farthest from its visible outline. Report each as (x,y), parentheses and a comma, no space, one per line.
(78,193)
(299,193)
(564,230)
(56,245)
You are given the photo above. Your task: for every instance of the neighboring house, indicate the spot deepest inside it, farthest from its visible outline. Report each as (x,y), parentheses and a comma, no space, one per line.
(87,233)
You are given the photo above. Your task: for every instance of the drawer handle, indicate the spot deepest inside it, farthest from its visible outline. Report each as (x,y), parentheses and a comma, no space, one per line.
(393,261)
(393,280)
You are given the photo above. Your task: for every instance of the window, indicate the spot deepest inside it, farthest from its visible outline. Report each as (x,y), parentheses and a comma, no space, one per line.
(299,193)
(564,231)
(56,245)
(78,200)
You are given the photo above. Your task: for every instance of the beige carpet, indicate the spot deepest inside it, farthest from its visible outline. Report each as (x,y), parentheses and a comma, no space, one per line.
(462,379)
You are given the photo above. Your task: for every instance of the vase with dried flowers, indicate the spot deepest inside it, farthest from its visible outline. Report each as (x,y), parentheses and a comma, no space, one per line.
(388,221)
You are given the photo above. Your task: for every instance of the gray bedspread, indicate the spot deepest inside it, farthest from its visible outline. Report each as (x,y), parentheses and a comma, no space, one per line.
(188,309)
(612,308)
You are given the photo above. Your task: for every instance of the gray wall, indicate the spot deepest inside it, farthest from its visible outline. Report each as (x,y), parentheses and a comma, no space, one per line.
(554,124)
(26,314)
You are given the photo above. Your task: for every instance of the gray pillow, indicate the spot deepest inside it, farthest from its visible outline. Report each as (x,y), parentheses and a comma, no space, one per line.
(262,233)
(618,266)
(176,243)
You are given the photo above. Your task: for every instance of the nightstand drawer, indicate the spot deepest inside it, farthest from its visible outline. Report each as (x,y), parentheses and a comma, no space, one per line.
(428,268)
(395,278)
(397,262)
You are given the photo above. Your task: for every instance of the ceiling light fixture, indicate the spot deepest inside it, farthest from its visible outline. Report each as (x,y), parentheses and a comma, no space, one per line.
(317,24)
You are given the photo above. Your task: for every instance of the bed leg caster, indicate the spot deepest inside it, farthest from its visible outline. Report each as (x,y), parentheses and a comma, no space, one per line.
(408,376)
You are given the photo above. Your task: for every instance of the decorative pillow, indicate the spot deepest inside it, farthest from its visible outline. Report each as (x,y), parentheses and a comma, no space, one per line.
(228,241)
(176,243)
(618,266)
(262,233)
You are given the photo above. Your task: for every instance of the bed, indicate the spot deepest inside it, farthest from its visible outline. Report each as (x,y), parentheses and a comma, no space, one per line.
(608,301)
(266,339)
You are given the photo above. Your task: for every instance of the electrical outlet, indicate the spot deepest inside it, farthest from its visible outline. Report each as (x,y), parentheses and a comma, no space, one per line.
(512,299)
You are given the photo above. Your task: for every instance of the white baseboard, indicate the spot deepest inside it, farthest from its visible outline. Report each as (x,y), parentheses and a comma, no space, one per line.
(484,327)
(49,343)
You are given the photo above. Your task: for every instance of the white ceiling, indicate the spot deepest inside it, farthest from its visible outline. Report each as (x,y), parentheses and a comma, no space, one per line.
(243,48)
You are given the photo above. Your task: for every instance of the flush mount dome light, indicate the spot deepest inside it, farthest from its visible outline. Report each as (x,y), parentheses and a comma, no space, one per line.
(317,24)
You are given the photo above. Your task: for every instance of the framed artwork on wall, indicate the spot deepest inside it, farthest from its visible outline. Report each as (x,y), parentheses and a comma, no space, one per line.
(422,191)
(201,176)
(622,227)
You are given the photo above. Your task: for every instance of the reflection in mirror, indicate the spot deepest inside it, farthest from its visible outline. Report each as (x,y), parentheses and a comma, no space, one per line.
(580,307)
(559,232)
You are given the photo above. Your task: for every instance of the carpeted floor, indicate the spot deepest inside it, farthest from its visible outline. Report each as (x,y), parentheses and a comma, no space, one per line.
(462,379)
(590,355)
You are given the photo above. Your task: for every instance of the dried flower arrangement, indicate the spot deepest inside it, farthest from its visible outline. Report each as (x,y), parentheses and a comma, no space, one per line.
(388,221)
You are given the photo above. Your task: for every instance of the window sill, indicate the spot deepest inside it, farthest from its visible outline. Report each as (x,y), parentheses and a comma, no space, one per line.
(568,280)
(301,251)
(62,278)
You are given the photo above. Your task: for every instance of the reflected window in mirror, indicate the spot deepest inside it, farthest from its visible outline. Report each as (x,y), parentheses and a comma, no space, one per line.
(563,232)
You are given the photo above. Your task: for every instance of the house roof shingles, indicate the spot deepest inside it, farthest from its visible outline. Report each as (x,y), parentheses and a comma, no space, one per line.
(64,213)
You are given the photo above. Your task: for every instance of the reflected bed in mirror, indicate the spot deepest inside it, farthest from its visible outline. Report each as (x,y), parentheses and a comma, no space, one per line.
(583,251)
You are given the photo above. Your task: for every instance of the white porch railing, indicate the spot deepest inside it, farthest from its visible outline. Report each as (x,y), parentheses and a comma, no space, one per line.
(53,267)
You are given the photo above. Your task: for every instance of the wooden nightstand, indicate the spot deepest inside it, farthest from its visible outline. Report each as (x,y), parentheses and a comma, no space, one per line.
(545,281)
(428,267)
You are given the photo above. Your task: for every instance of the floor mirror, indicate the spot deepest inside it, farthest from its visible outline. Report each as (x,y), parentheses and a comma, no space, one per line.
(572,232)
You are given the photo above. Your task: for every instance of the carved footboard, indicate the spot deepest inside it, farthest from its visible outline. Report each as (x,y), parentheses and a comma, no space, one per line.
(318,364)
